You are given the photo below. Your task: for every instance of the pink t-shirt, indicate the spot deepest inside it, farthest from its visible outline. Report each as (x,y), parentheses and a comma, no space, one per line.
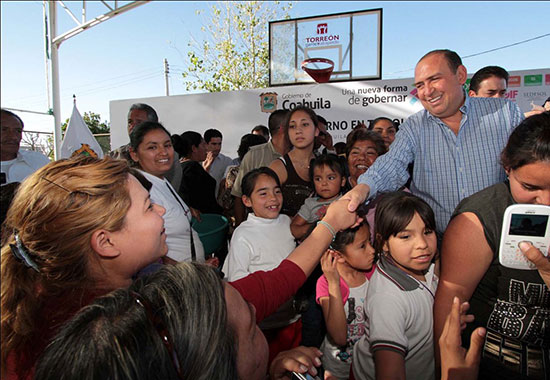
(321,289)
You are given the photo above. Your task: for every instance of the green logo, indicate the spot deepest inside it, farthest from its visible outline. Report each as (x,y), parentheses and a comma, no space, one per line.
(532,80)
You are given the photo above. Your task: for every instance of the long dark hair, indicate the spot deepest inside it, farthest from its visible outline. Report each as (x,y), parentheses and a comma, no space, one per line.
(140,130)
(184,143)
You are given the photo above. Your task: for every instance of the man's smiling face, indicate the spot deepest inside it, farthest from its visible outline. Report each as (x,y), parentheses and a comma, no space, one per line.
(439,89)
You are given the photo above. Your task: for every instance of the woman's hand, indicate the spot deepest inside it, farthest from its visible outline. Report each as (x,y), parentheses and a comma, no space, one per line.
(356,196)
(213,261)
(339,216)
(300,359)
(536,257)
(195,214)
(456,362)
(330,270)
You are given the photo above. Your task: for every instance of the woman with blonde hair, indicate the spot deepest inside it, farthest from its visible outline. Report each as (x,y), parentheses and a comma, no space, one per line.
(184,322)
(76,229)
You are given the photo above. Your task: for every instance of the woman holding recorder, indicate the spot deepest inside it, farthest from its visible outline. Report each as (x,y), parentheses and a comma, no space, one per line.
(512,304)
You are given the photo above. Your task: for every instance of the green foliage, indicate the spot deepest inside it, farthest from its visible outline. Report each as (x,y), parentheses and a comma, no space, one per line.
(235,54)
(94,123)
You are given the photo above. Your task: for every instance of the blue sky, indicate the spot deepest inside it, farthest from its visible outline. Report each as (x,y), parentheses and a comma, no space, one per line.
(123,57)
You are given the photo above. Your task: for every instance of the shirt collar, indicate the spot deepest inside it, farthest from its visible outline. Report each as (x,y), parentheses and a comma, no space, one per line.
(466,104)
(22,155)
(396,275)
(463,108)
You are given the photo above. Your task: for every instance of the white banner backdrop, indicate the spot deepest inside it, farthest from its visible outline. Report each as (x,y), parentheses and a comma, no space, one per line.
(345,105)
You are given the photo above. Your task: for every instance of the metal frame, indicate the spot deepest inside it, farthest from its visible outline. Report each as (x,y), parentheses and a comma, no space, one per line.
(349,51)
(56,40)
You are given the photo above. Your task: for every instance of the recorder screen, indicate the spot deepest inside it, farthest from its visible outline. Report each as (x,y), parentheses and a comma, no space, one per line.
(528,225)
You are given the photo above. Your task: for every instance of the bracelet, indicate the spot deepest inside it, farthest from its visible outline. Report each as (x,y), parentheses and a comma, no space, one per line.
(329,227)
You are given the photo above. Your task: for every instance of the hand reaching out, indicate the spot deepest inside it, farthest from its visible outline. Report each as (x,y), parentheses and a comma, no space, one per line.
(300,359)
(339,216)
(356,196)
(456,362)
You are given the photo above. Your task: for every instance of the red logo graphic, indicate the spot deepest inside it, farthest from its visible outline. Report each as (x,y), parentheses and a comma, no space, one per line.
(547,79)
(322,28)
(514,81)
(511,95)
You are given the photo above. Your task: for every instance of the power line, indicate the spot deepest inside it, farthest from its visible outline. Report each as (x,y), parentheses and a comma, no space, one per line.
(140,72)
(507,46)
(124,83)
(484,52)
(108,86)
(78,87)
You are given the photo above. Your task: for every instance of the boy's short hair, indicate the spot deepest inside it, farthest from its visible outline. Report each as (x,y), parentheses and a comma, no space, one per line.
(211,133)
(331,160)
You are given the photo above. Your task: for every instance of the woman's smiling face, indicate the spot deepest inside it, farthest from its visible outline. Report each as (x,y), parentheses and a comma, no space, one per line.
(361,156)
(155,154)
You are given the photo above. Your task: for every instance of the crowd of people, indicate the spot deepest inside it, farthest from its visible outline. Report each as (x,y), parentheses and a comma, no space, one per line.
(375,259)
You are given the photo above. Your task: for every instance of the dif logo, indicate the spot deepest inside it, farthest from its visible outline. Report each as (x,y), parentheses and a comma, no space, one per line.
(322,28)
(511,95)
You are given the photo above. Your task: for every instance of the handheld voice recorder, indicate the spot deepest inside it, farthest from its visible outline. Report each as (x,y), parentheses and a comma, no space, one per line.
(524,222)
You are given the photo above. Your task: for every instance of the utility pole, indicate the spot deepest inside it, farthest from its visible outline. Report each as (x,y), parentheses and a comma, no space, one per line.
(166,72)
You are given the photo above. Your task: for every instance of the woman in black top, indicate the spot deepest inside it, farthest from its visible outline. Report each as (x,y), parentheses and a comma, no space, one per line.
(197,186)
(293,168)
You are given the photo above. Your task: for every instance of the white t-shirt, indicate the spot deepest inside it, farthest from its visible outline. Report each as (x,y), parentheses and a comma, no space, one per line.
(399,318)
(177,221)
(258,244)
(26,163)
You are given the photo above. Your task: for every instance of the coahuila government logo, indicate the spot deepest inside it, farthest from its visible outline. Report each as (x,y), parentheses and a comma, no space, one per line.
(268,101)
(84,150)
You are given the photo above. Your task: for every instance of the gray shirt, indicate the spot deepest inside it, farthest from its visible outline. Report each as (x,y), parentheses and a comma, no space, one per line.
(399,318)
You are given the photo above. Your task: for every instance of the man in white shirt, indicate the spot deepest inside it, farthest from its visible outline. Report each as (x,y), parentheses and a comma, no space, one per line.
(16,164)
(216,162)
